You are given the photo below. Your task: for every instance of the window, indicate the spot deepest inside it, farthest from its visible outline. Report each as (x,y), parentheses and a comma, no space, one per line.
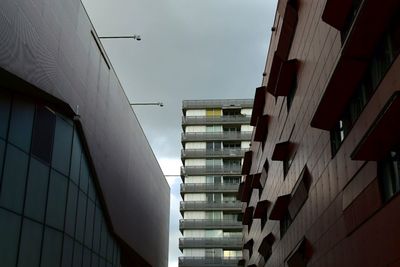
(36,192)
(5,104)
(62,146)
(231,112)
(57,199)
(9,233)
(51,252)
(386,52)
(21,123)
(284,223)
(14,177)
(67,251)
(71,209)
(43,133)
(389,175)
(31,239)
(232,163)
(231,179)
(228,145)
(213,145)
(291,93)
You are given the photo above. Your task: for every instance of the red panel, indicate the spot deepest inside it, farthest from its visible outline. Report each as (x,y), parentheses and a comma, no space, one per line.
(266,244)
(261,209)
(276,65)
(257,181)
(335,12)
(258,105)
(383,134)
(248,244)
(247,162)
(247,188)
(280,86)
(262,128)
(280,207)
(240,191)
(287,31)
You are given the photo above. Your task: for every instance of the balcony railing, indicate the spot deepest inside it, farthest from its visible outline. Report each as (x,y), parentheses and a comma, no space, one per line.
(206,205)
(205,170)
(187,188)
(209,224)
(220,153)
(225,119)
(208,261)
(231,136)
(210,242)
(240,103)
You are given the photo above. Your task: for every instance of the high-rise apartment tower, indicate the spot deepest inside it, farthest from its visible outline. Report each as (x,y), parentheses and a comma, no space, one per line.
(216,134)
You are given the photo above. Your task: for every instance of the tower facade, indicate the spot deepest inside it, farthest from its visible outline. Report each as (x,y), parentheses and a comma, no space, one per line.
(216,134)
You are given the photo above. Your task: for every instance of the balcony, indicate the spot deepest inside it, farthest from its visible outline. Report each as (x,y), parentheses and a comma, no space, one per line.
(217,136)
(208,261)
(209,224)
(206,120)
(210,242)
(208,170)
(225,103)
(209,188)
(206,205)
(213,153)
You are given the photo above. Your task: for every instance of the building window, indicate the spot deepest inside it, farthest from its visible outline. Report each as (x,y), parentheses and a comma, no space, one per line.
(385,54)
(285,223)
(291,93)
(389,175)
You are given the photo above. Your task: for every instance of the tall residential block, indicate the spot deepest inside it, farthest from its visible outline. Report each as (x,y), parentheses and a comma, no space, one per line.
(323,179)
(216,135)
(79,183)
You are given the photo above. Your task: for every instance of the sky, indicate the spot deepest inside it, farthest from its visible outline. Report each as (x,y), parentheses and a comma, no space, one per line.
(190,49)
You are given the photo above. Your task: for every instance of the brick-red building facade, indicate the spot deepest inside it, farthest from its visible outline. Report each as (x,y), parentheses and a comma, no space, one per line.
(321,182)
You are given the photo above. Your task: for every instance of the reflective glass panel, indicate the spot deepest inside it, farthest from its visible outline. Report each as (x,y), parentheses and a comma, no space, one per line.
(77,254)
(36,192)
(80,217)
(43,133)
(5,104)
(14,177)
(71,209)
(51,252)
(89,223)
(31,239)
(56,200)
(62,146)
(9,233)
(68,248)
(21,123)
(2,149)
(76,159)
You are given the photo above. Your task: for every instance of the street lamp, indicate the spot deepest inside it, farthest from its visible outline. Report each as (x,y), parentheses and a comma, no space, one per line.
(147,104)
(135,36)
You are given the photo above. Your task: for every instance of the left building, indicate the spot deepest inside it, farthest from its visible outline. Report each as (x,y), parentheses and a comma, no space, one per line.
(79,183)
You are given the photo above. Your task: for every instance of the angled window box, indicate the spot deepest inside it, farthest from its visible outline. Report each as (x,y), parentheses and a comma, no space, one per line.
(265,248)
(285,71)
(288,10)
(241,262)
(247,189)
(261,209)
(261,128)
(247,162)
(258,105)
(240,191)
(300,193)
(300,255)
(280,207)
(248,216)
(257,183)
(283,151)
(249,246)
(383,135)
(336,12)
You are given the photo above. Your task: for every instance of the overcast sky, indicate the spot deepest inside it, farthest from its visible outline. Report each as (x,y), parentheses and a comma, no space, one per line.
(190,49)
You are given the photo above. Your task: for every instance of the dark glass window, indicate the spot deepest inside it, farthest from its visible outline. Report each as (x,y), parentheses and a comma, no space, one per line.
(86,257)
(95,260)
(21,123)
(36,192)
(285,222)
(350,19)
(51,252)
(31,240)
(103,242)
(80,217)
(62,146)
(76,159)
(110,248)
(292,93)
(43,133)
(92,189)
(71,209)
(389,175)
(77,254)
(5,104)
(9,235)
(14,177)
(89,223)
(68,249)
(56,200)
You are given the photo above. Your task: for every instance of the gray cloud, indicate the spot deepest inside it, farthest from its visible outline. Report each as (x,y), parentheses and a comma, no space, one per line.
(191,49)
